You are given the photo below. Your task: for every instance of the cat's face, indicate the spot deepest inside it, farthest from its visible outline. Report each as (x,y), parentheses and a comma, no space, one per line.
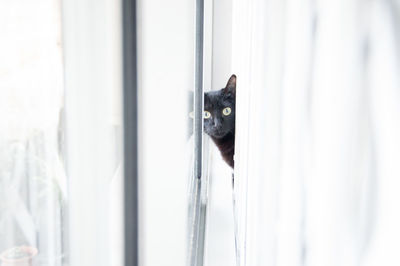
(219,110)
(219,113)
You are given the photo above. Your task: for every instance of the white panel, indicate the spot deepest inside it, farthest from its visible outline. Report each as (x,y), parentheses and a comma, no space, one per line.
(220,245)
(317,132)
(257,54)
(166,69)
(92,41)
(221,43)
(295,91)
(337,136)
(384,98)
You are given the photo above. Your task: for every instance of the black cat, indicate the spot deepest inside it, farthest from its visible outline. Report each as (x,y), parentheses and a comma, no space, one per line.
(219,119)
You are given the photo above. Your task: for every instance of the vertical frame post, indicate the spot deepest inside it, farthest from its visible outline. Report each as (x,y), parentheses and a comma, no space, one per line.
(198,221)
(130,132)
(198,93)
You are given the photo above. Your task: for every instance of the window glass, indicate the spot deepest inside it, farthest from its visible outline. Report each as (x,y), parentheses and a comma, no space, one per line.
(33,183)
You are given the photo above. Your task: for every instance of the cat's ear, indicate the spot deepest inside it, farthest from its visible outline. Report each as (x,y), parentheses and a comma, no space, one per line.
(231,85)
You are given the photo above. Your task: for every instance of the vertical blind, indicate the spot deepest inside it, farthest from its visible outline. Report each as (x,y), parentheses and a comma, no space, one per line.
(318,132)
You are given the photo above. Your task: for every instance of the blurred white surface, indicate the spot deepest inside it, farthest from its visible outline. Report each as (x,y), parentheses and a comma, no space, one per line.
(32,176)
(165,73)
(93,88)
(318,139)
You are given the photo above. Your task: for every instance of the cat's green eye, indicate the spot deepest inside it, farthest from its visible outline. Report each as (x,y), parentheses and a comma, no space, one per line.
(227,111)
(207,115)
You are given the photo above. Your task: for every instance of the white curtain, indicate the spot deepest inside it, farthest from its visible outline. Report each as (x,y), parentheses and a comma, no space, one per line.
(318,131)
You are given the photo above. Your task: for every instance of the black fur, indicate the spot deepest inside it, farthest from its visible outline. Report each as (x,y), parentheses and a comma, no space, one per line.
(220,127)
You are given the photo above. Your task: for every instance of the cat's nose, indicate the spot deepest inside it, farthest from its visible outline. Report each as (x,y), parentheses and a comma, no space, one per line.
(216,122)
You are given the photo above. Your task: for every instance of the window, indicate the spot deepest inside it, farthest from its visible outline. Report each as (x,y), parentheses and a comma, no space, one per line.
(61,177)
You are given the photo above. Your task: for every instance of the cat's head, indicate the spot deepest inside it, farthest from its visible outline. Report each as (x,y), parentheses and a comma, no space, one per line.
(219,110)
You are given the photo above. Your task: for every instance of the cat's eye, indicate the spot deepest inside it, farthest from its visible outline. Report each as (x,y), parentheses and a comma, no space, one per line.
(227,111)
(207,115)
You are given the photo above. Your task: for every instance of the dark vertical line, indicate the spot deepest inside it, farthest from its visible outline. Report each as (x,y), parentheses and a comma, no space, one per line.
(130,132)
(198,93)
(198,225)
